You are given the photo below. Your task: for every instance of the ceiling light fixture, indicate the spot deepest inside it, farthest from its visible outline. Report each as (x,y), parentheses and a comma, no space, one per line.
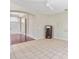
(49,4)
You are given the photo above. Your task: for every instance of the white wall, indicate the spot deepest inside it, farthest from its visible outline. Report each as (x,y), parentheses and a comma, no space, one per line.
(61,29)
(58,21)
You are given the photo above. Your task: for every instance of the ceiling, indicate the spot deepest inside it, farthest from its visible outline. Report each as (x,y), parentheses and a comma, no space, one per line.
(39,6)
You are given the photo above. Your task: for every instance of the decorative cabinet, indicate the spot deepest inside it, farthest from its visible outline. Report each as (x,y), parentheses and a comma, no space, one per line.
(48,31)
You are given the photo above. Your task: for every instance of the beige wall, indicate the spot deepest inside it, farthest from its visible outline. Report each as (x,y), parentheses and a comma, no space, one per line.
(37,24)
(58,21)
(61,29)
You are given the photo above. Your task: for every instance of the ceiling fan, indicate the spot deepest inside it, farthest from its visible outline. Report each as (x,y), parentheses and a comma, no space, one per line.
(49,4)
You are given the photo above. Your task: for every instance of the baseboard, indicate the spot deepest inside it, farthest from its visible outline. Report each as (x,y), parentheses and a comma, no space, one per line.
(61,38)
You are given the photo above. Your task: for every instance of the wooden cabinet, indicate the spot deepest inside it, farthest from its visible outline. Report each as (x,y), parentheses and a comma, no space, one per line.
(48,31)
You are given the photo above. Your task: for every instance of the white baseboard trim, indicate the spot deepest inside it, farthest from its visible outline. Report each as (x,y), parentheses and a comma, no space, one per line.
(61,38)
